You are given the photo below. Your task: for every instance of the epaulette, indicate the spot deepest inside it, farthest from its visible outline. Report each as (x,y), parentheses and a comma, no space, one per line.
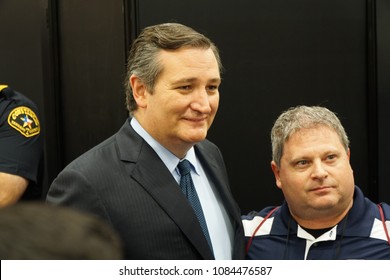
(6,91)
(3,87)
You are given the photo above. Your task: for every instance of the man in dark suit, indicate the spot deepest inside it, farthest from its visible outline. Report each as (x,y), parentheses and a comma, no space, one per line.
(131,180)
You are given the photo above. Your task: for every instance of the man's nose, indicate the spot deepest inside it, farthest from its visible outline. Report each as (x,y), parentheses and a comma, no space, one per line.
(201,102)
(319,170)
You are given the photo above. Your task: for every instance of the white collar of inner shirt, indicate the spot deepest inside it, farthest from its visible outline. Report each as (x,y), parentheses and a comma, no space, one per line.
(169,159)
(326,236)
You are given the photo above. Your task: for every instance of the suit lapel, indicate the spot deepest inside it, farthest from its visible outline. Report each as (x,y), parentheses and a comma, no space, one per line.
(151,173)
(217,176)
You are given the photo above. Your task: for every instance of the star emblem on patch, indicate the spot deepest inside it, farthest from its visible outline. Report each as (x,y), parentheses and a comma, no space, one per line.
(26,121)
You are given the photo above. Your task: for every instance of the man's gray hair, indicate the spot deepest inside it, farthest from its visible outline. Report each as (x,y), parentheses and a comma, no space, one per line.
(300,117)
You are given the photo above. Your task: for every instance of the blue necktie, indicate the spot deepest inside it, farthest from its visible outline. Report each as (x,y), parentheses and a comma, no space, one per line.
(188,188)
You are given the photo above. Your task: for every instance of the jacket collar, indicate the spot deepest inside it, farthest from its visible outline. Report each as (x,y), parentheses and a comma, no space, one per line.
(362,210)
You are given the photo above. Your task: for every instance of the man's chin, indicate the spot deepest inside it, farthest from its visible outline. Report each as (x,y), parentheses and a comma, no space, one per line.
(193,139)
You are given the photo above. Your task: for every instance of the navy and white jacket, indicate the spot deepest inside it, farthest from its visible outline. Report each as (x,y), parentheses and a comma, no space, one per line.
(360,235)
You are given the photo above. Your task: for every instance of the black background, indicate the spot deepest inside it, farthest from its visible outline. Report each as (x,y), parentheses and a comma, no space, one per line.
(69,57)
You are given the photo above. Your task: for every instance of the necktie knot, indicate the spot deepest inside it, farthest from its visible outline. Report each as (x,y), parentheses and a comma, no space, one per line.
(184,167)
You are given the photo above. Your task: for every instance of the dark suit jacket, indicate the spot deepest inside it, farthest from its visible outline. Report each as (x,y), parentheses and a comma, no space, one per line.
(123,181)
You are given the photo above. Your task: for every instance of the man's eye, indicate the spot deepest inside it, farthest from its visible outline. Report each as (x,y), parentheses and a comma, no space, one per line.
(302,162)
(331,157)
(188,87)
(212,88)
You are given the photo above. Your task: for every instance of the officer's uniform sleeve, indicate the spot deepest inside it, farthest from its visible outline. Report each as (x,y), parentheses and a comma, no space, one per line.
(21,145)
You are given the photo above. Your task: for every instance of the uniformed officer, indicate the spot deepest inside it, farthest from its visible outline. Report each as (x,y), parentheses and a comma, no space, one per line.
(21,148)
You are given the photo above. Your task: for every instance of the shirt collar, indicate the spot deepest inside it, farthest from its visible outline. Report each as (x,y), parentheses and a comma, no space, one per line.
(359,212)
(328,235)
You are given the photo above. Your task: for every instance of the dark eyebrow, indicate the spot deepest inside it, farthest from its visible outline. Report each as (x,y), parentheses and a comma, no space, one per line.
(191,80)
(216,80)
(186,80)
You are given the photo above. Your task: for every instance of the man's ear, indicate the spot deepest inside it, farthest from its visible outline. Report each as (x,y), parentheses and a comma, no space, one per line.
(139,91)
(276,171)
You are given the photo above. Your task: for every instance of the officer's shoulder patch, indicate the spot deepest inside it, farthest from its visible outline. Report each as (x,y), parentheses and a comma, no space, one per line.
(24,120)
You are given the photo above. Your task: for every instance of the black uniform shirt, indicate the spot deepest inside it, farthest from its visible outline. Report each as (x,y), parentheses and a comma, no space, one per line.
(21,145)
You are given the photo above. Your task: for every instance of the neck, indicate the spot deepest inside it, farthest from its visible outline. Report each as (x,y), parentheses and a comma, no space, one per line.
(321,220)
